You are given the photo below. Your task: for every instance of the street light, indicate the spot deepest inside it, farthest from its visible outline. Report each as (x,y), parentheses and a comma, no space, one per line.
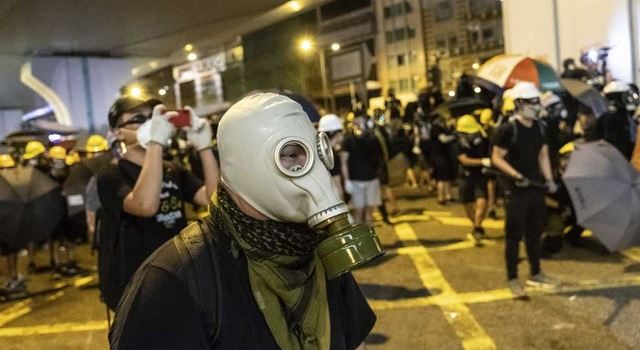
(135,91)
(306,45)
(192,56)
(335,47)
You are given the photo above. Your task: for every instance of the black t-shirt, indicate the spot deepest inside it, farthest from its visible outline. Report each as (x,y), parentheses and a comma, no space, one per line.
(364,156)
(523,154)
(142,236)
(440,149)
(473,146)
(160,313)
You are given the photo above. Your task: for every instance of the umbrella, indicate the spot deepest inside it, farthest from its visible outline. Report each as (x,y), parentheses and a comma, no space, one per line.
(460,106)
(31,205)
(587,96)
(604,190)
(504,71)
(76,183)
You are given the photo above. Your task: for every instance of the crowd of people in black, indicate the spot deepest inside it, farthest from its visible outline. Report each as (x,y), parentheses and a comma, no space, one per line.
(511,146)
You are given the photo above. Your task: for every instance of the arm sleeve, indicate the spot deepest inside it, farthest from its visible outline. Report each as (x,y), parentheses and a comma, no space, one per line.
(358,316)
(503,136)
(112,190)
(190,184)
(156,312)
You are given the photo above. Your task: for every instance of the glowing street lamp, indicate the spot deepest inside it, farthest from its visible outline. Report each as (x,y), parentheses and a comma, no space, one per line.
(306,45)
(135,91)
(335,47)
(192,56)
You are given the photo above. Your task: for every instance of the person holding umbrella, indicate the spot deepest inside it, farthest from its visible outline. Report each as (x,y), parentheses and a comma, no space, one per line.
(521,152)
(14,283)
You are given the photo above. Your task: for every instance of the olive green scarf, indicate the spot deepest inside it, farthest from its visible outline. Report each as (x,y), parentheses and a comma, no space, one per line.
(286,275)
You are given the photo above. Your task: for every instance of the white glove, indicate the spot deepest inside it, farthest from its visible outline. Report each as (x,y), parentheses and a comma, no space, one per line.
(348,187)
(199,134)
(486,162)
(161,128)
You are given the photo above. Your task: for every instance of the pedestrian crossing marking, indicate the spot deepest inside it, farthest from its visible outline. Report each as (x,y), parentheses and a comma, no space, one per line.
(465,222)
(54,328)
(457,314)
(632,254)
(487,296)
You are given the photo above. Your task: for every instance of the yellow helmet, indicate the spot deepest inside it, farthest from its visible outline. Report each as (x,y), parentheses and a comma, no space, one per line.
(33,149)
(58,152)
(486,117)
(96,143)
(567,148)
(508,105)
(6,161)
(72,158)
(467,124)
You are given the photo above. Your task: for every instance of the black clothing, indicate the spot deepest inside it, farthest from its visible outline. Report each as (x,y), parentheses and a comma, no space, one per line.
(472,188)
(138,237)
(158,312)
(526,216)
(443,153)
(364,156)
(473,146)
(523,153)
(613,127)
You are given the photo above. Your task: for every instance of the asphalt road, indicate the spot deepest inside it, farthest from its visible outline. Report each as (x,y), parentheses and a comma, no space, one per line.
(432,290)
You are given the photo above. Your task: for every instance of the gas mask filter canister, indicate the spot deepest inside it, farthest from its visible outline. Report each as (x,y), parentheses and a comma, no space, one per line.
(272,157)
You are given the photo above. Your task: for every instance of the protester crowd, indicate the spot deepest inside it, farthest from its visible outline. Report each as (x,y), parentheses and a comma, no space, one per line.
(159,170)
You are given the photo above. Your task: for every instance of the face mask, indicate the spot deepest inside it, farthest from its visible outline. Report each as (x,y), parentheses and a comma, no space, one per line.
(530,111)
(272,157)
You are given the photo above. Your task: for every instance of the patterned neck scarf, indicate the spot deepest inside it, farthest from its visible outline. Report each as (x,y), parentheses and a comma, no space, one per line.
(287,278)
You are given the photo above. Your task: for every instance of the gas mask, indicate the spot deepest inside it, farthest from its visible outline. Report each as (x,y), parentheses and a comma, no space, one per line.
(272,157)
(530,109)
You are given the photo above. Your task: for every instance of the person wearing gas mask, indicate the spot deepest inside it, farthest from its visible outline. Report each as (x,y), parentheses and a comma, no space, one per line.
(331,125)
(279,233)
(555,117)
(361,155)
(521,153)
(618,126)
(142,196)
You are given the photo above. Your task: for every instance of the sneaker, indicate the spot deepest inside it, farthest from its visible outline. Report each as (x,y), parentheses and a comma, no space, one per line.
(492,214)
(516,289)
(478,235)
(541,280)
(15,286)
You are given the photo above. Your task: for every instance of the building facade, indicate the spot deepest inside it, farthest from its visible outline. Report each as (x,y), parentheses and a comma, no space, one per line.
(459,35)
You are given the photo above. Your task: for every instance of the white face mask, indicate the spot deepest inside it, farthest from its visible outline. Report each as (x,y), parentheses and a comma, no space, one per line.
(530,111)
(272,157)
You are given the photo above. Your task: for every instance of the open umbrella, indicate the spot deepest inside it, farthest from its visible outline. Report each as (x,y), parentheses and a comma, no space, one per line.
(460,106)
(76,183)
(31,206)
(604,190)
(587,95)
(504,71)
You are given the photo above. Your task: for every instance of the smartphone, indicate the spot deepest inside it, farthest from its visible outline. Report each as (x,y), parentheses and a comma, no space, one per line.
(182,120)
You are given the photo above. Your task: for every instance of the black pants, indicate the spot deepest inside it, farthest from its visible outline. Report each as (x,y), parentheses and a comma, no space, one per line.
(526,216)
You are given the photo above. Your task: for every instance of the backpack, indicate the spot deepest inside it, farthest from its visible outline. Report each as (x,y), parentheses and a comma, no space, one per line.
(197,253)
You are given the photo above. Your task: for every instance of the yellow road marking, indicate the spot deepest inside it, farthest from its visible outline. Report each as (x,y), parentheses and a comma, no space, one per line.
(502,294)
(457,314)
(14,311)
(24,307)
(464,222)
(409,217)
(632,253)
(460,245)
(54,328)
(437,213)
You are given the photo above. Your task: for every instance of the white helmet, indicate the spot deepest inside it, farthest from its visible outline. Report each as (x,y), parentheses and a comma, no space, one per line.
(524,90)
(616,86)
(330,123)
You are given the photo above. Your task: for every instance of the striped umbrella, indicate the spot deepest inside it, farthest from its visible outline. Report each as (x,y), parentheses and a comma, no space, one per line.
(504,71)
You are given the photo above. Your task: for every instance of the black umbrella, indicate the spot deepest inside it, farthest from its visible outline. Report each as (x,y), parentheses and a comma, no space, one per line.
(587,95)
(79,176)
(31,206)
(460,106)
